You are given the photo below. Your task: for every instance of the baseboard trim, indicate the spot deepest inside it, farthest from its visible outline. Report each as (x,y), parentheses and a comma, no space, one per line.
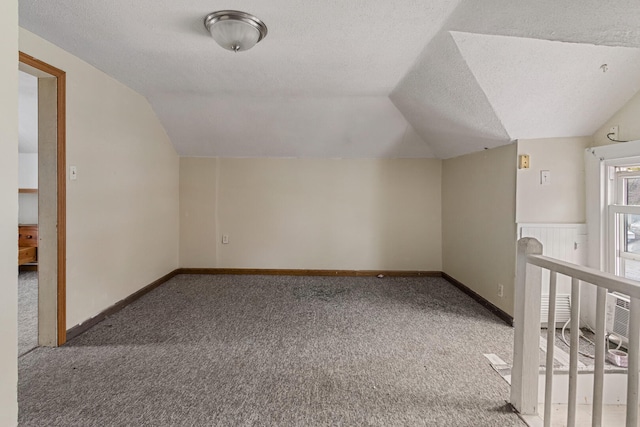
(88,324)
(294,272)
(480,299)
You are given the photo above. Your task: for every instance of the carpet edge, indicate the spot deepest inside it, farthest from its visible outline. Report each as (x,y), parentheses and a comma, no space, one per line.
(503,315)
(81,328)
(309,272)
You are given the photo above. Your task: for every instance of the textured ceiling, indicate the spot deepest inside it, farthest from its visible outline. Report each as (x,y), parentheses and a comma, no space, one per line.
(361,78)
(563,89)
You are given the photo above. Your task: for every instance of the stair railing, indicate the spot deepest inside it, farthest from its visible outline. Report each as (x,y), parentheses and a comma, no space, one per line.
(526,363)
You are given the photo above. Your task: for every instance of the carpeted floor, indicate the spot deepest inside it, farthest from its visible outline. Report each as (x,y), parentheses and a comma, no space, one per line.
(27,311)
(285,351)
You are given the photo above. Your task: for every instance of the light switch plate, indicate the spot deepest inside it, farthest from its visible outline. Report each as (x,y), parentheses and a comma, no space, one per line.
(545,177)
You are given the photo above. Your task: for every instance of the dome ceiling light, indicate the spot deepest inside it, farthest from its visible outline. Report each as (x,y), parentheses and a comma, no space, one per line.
(235,30)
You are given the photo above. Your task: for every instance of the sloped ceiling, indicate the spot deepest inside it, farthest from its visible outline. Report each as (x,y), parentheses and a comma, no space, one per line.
(562,89)
(361,78)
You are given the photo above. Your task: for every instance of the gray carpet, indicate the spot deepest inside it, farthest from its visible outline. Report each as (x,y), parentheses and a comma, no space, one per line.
(27,311)
(282,351)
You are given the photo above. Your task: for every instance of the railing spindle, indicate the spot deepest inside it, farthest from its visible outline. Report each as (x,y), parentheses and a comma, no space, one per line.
(633,363)
(598,371)
(525,371)
(573,352)
(551,339)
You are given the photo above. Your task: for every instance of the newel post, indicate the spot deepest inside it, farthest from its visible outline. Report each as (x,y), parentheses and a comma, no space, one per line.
(526,356)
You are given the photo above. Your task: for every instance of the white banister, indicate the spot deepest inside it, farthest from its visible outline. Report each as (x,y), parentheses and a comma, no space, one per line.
(573,352)
(526,365)
(589,275)
(525,371)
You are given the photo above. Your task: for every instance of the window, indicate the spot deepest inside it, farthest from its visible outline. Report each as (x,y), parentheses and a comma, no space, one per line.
(624,220)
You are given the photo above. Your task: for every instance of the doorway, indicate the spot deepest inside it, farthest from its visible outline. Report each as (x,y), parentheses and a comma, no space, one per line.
(27,213)
(50,233)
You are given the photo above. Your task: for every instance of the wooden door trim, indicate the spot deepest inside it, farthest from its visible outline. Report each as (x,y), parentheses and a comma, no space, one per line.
(61,198)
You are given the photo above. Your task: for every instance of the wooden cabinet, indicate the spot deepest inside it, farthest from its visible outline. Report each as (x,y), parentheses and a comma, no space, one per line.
(27,244)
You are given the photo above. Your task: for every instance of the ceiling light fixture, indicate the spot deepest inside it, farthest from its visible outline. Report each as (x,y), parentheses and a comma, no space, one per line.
(235,30)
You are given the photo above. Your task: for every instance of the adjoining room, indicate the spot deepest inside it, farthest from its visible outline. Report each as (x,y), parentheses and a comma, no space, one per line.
(28,215)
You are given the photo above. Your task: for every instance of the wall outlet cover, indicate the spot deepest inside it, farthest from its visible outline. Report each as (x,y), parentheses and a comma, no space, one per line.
(545,177)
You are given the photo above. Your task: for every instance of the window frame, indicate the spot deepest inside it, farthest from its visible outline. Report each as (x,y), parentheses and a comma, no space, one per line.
(616,237)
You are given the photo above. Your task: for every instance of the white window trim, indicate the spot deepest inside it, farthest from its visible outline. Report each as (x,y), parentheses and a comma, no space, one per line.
(597,160)
(599,195)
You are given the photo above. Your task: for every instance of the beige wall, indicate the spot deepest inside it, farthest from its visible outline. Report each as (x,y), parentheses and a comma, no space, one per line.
(198,237)
(628,120)
(8,211)
(312,213)
(122,212)
(563,200)
(479,230)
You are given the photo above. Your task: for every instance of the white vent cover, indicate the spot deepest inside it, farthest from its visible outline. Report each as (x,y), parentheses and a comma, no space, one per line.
(617,317)
(563,309)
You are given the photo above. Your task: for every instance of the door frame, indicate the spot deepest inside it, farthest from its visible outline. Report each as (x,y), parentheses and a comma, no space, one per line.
(59,336)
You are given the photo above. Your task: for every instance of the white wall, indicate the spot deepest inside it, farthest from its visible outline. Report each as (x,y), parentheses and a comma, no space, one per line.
(627,119)
(479,230)
(122,212)
(563,200)
(28,170)
(28,208)
(8,211)
(28,178)
(349,214)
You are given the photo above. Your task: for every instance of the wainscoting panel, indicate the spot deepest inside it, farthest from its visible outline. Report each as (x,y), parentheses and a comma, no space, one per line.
(567,242)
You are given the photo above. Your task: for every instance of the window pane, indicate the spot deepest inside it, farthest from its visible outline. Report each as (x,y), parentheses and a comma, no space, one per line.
(631,224)
(633,191)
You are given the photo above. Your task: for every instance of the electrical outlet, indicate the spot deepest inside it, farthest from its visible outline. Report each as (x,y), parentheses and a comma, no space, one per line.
(500,290)
(613,132)
(225,239)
